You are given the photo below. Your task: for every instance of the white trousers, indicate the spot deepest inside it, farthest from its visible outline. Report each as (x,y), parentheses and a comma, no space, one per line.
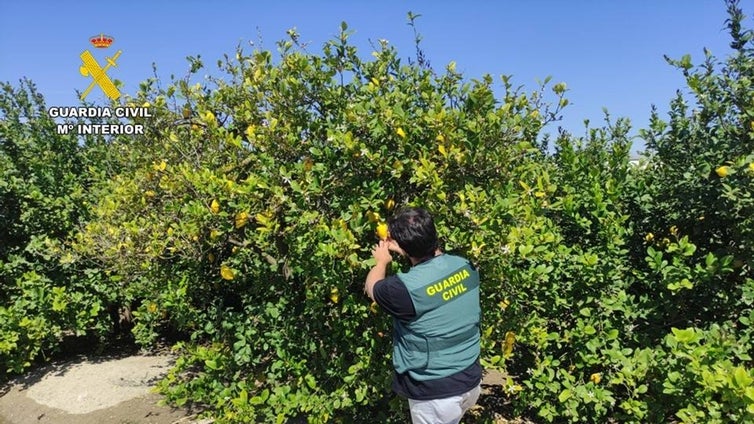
(443,411)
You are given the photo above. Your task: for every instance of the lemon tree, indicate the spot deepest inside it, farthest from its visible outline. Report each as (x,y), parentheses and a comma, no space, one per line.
(243,220)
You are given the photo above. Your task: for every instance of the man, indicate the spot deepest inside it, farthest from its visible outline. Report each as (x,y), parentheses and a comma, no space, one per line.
(435,310)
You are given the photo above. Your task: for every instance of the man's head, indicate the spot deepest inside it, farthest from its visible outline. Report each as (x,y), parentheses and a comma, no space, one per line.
(414,231)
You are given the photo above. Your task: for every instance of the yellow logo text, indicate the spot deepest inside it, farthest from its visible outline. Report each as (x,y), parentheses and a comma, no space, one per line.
(451,286)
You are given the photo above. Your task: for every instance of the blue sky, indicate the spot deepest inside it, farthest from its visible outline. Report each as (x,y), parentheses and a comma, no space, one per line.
(609,53)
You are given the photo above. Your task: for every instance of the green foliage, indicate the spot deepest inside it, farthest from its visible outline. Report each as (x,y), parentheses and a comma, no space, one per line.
(706,373)
(604,268)
(240,224)
(43,197)
(699,172)
(692,204)
(41,187)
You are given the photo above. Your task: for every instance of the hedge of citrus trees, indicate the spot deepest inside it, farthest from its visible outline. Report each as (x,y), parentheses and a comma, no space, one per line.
(240,225)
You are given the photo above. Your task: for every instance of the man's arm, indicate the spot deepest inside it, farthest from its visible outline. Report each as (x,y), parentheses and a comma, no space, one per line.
(383,258)
(376,274)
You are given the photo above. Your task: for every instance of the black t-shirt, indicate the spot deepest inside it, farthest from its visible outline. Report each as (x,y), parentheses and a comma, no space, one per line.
(392,295)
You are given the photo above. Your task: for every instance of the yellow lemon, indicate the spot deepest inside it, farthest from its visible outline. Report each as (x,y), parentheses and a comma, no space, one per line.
(382,232)
(152,307)
(595,378)
(160,166)
(373,216)
(250,131)
(241,219)
(214,206)
(722,171)
(334,295)
(401,133)
(510,340)
(441,149)
(227,273)
(389,204)
(649,237)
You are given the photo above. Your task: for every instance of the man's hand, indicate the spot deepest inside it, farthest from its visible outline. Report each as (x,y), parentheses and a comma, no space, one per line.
(382,258)
(393,246)
(381,252)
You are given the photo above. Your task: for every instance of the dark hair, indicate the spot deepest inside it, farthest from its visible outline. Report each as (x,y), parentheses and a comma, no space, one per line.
(414,231)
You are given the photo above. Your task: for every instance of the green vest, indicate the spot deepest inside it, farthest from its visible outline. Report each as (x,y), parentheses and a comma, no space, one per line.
(443,338)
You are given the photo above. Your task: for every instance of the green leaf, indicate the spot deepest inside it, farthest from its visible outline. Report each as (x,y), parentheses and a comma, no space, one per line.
(589,259)
(741,377)
(749,392)
(564,395)
(688,335)
(525,249)
(360,392)
(261,398)
(310,381)
(685,61)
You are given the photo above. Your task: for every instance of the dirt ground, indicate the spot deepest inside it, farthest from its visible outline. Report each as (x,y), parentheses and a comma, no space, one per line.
(91,391)
(118,390)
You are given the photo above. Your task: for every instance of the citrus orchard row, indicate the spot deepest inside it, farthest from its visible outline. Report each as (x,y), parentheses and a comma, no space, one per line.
(238,229)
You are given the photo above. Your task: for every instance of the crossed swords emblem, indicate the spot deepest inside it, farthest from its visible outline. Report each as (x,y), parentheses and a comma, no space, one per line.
(99,74)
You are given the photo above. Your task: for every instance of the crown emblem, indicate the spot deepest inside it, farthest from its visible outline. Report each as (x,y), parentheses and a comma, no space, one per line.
(101,41)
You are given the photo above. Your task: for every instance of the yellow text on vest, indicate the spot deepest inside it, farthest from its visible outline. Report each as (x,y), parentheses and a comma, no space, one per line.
(451,286)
